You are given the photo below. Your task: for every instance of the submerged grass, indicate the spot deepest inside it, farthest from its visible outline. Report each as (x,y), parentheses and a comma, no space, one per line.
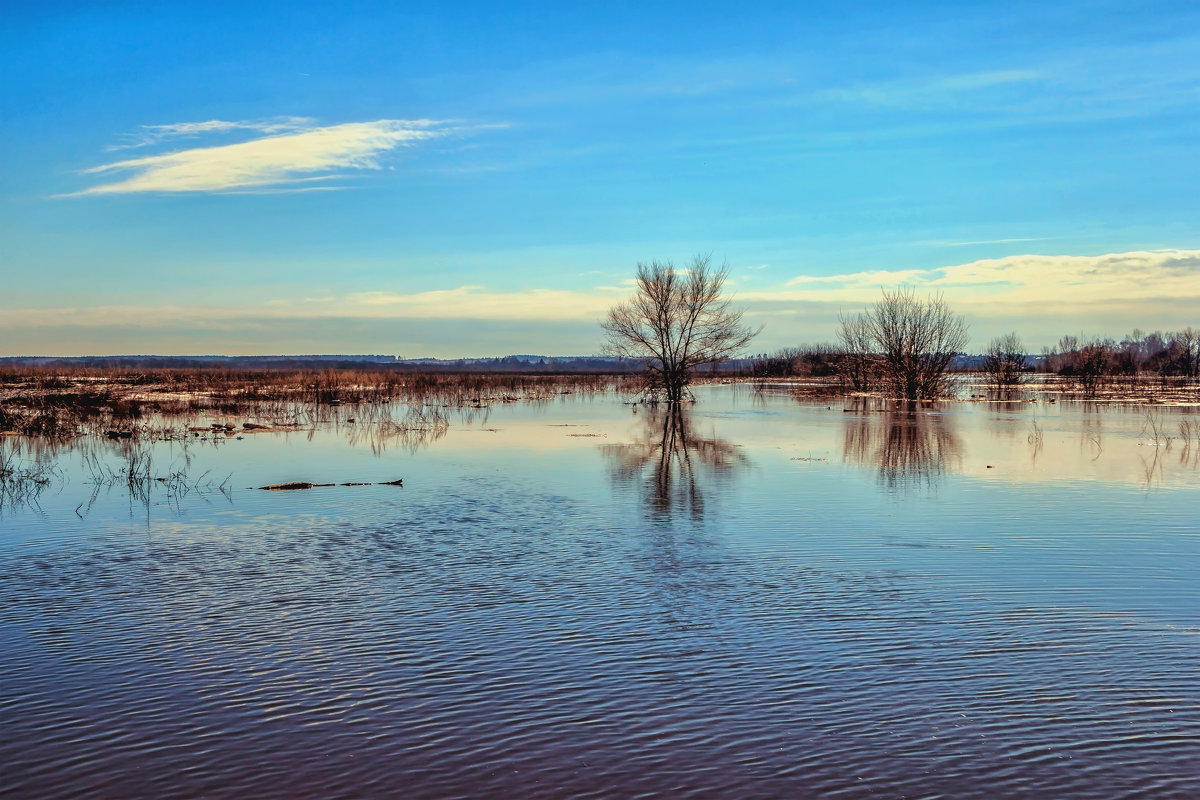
(56,403)
(22,478)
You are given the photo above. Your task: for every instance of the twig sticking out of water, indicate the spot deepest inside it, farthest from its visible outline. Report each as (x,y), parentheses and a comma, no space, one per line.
(1035,434)
(1154,429)
(137,474)
(22,481)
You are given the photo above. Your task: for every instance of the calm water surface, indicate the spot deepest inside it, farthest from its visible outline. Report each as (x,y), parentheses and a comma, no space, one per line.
(765,599)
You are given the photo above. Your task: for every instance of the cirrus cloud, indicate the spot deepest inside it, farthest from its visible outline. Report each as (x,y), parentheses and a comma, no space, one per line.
(293,151)
(153,134)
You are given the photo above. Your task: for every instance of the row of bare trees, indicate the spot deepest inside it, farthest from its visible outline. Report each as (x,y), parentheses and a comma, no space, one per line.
(902,346)
(1096,363)
(679,321)
(864,365)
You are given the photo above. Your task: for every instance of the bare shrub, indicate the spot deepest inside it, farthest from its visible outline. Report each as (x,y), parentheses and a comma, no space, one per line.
(1093,367)
(912,340)
(1004,362)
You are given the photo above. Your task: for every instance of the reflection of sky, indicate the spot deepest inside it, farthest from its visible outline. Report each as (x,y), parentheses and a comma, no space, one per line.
(560,448)
(1033,443)
(514,610)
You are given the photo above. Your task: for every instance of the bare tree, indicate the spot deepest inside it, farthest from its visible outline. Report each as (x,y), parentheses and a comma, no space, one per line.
(914,341)
(858,363)
(1090,364)
(1004,362)
(1093,366)
(1185,352)
(676,323)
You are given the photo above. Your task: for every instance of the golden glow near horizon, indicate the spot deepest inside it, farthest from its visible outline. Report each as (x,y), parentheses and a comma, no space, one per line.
(1042,297)
(430,182)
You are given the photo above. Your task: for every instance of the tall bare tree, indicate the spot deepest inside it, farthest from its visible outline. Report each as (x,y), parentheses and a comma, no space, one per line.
(913,340)
(676,322)
(1004,362)
(1094,366)
(1185,352)
(858,363)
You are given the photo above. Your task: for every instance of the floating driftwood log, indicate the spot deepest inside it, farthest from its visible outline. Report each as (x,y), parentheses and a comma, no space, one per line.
(294,485)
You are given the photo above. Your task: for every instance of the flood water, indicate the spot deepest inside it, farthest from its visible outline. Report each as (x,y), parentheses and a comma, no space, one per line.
(764,598)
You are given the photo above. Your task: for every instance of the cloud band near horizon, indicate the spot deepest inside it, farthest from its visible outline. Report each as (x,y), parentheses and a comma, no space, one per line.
(1042,297)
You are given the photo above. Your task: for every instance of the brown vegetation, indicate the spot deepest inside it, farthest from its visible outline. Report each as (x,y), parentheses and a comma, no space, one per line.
(907,349)
(58,403)
(1139,359)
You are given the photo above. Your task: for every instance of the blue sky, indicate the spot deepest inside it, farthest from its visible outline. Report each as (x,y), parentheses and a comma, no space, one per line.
(482,179)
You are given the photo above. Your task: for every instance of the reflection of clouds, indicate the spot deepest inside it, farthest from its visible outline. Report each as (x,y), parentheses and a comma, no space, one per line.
(911,449)
(672,463)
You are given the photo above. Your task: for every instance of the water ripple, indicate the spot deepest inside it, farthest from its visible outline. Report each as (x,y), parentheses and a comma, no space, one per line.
(529,646)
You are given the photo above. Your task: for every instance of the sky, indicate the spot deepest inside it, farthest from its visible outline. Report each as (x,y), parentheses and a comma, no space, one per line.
(480,179)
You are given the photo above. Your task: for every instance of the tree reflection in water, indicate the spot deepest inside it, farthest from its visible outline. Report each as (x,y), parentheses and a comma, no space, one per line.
(26,470)
(673,463)
(911,448)
(421,426)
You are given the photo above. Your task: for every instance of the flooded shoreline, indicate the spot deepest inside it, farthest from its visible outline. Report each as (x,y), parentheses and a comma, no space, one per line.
(759,597)
(1038,438)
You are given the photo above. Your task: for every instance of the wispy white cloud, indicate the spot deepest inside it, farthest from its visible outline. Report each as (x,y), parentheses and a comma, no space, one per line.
(977,242)
(459,303)
(931,90)
(304,153)
(153,134)
(856,280)
(1026,284)
(1111,280)
(478,302)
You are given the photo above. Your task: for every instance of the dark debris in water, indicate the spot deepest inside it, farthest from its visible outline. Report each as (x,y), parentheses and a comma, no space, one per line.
(296,485)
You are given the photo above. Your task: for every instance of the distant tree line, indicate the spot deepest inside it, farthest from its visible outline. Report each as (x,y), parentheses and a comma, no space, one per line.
(524,364)
(904,347)
(805,361)
(1096,363)
(679,324)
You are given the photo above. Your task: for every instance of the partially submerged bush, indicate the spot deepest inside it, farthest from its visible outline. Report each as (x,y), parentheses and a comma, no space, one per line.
(1004,362)
(904,344)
